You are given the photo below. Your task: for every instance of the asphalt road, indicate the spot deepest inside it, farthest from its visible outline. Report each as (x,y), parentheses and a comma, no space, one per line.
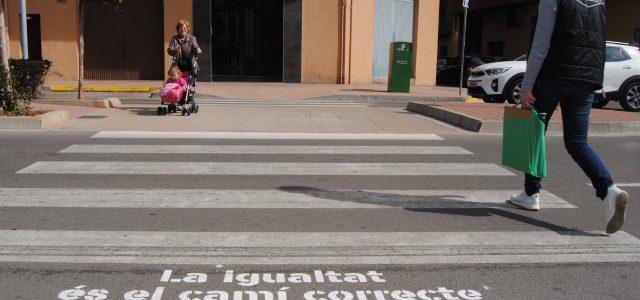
(97,229)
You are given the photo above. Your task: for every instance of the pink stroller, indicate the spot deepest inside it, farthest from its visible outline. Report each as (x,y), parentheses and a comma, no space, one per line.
(173,94)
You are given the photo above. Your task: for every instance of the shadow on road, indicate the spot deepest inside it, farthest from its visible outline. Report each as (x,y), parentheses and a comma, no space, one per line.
(423,203)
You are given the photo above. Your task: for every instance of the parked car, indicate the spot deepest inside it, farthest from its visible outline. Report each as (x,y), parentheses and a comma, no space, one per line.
(449,74)
(497,82)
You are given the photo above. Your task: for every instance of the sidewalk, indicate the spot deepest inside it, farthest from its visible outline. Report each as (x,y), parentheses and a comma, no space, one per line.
(73,111)
(290,91)
(487,118)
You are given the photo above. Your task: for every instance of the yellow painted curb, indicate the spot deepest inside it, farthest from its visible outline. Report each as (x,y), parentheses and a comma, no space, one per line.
(106,89)
(473,100)
(63,89)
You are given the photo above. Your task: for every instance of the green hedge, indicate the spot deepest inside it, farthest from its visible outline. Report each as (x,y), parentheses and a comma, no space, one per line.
(27,78)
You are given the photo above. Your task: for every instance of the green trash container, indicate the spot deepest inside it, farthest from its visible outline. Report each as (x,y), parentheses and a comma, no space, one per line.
(399,67)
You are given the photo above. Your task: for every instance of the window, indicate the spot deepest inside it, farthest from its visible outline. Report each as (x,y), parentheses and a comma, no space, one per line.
(616,54)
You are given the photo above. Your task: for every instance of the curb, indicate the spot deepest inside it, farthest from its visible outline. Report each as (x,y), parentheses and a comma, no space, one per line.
(104,89)
(112,102)
(43,121)
(484,126)
(390,97)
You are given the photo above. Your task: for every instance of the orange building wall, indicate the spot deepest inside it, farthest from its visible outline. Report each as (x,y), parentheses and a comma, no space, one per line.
(425,45)
(174,11)
(58,26)
(321,40)
(361,52)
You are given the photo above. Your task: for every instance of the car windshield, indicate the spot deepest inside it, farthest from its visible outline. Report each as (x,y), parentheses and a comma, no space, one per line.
(481,60)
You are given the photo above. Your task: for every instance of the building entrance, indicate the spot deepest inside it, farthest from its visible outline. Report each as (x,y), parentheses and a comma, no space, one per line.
(247,43)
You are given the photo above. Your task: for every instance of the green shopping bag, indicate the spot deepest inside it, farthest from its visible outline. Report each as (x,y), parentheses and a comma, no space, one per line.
(523,141)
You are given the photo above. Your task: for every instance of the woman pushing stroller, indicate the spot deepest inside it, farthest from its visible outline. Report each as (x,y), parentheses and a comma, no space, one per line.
(184,47)
(179,88)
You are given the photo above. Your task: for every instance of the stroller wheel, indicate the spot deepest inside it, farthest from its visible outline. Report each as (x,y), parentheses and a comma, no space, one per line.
(164,110)
(196,108)
(159,110)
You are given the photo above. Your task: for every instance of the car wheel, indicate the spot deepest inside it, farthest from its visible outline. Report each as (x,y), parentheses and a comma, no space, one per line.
(600,103)
(630,97)
(514,91)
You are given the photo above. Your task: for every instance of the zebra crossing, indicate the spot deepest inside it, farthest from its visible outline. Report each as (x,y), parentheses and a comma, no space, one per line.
(282,103)
(204,101)
(295,247)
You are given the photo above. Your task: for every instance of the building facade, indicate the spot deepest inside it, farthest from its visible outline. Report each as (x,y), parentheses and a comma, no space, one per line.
(504,28)
(305,41)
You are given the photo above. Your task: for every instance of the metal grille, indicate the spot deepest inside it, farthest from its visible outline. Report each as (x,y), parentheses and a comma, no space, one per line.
(125,45)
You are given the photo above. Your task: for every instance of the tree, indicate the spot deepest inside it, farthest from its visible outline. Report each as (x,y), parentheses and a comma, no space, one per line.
(117,4)
(4,52)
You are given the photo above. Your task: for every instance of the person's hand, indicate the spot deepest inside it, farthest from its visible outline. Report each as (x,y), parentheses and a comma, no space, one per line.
(199,51)
(527,100)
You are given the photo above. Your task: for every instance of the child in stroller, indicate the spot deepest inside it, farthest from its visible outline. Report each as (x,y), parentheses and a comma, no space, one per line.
(179,90)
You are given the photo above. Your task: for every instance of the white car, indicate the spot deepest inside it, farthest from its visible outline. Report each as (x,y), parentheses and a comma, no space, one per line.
(497,82)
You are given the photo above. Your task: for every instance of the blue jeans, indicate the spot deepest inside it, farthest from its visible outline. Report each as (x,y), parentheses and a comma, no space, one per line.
(576,100)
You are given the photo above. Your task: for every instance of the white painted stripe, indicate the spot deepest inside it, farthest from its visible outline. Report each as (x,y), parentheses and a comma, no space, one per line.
(253,149)
(269,168)
(263,135)
(629,184)
(300,198)
(306,248)
(328,102)
(278,101)
(283,105)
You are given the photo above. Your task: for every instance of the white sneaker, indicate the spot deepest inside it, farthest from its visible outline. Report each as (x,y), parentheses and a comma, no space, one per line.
(615,204)
(525,201)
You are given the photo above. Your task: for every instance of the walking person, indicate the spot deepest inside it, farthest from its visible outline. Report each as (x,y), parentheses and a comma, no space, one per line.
(565,67)
(184,46)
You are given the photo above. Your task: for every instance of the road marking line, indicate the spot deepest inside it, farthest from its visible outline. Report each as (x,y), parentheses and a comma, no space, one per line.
(287,198)
(261,168)
(307,248)
(253,149)
(263,135)
(629,184)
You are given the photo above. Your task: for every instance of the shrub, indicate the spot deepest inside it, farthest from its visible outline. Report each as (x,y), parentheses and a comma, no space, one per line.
(27,78)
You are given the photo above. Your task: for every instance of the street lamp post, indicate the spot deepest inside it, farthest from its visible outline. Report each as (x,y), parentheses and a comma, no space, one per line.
(23,29)
(465,5)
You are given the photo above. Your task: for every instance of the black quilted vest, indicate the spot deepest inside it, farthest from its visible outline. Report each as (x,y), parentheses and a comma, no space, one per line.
(577,50)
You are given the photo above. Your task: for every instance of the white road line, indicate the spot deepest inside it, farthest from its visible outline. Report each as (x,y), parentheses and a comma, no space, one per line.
(253,149)
(628,184)
(310,248)
(291,198)
(261,168)
(263,135)
(282,105)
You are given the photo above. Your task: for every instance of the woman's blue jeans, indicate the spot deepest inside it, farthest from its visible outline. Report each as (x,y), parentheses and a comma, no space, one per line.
(575,100)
